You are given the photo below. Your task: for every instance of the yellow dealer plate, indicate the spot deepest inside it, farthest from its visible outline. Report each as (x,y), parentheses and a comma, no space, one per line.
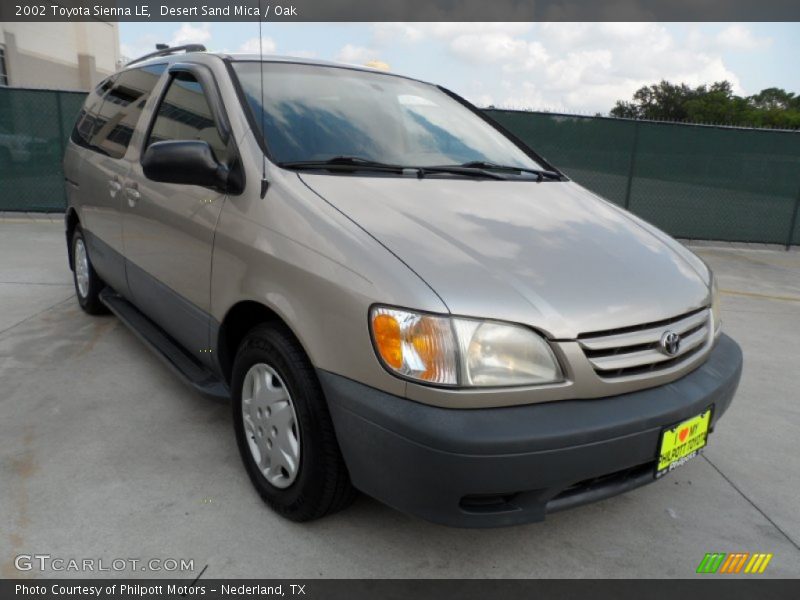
(682,442)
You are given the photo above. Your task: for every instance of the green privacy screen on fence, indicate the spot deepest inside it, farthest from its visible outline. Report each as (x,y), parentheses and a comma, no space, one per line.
(691,181)
(34,126)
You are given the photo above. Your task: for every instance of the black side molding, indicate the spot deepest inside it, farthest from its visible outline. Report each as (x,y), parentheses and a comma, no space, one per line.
(191,371)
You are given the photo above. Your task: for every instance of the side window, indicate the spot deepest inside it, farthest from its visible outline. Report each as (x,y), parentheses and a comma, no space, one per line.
(184,114)
(86,123)
(122,108)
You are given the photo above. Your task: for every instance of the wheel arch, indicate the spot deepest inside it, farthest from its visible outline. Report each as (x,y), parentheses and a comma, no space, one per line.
(238,321)
(72,221)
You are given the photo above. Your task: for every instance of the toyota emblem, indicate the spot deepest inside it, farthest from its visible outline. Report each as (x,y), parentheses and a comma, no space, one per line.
(670,343)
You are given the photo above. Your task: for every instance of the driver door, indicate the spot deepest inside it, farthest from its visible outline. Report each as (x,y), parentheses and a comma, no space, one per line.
(168,229)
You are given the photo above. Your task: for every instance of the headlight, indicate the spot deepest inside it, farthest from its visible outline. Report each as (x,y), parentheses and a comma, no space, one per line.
(716,314)
(460,352)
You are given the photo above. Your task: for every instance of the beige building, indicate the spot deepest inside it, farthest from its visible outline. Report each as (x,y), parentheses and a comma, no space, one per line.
(66,56)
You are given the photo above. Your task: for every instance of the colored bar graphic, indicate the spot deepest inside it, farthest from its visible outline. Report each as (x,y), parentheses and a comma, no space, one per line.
(733,563)
(758,564)
(711,562)
(744,558)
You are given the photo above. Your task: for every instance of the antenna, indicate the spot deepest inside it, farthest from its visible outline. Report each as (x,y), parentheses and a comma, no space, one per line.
(264,182)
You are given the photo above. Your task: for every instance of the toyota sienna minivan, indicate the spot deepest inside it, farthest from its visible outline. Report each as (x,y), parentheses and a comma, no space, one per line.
(397,295)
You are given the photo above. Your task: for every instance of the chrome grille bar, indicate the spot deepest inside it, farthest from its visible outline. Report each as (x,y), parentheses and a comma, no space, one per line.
(618,354)
(650,335)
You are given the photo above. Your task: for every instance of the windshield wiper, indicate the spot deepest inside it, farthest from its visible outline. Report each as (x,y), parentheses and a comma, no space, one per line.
(357,163)
(540,173)
(345,163)
(467,171)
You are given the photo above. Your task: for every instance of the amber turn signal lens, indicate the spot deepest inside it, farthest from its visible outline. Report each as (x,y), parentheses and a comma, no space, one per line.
(417,346)
(429,338)
(386,331)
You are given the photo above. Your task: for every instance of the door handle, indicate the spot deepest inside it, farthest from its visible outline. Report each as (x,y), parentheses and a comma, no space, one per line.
(114,186)
(133,194)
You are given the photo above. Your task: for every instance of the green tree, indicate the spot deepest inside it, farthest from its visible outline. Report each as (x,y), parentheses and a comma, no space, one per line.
(715,103)
(774,99)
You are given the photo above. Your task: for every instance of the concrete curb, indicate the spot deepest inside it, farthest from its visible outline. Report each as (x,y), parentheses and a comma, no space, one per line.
(31,217)
(723,245)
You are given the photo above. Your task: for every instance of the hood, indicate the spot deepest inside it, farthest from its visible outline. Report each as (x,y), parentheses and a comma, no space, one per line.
(551,255)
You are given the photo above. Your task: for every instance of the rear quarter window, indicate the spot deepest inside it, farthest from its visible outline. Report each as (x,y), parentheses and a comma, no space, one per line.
(86,122)
(122,106)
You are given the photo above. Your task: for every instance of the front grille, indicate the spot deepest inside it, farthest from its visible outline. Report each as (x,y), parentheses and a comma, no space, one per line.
(636,350)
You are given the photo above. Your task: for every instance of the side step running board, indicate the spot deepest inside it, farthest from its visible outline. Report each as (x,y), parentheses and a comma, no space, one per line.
(195,374)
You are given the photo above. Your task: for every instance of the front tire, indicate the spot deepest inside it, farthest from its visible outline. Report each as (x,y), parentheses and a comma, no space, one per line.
(283,428)
(88,284)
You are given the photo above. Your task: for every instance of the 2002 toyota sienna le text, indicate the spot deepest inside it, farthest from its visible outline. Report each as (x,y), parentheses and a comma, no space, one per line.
(397,294)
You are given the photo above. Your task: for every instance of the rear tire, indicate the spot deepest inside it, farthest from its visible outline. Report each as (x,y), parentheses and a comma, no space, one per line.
(283,428)
(88,284)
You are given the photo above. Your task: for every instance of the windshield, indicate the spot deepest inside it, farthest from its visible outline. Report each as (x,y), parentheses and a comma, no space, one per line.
(313,113)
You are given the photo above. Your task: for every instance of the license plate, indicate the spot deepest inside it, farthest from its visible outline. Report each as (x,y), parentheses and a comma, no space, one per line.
(682,442)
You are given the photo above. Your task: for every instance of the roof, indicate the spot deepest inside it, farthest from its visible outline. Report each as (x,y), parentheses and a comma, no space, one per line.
(170,58)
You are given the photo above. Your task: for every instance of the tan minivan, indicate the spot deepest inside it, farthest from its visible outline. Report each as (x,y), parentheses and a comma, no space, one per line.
(397,294)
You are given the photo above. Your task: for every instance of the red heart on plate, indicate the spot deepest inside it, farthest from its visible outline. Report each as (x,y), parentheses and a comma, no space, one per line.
(683,433)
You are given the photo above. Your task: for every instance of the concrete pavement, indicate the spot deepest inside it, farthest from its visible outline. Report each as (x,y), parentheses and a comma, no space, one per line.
(104,453)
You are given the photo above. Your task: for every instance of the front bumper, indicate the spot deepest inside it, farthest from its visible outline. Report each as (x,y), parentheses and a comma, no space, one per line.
(504,466)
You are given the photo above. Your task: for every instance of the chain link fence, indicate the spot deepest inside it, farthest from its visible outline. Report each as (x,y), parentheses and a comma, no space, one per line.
(693,181)
(34,127)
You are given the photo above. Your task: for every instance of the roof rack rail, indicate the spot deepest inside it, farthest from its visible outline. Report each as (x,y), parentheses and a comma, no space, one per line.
(164,50)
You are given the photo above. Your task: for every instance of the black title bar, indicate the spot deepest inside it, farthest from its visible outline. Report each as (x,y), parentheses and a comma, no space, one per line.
(705,587)
(401,10)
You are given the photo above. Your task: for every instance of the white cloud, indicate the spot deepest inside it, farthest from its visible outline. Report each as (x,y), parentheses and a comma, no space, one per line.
(582,67)
(489,47)
(252,46)
(739,37)
(302,53)
(185,34)
(189,34)
(415,32)
(350,53)
(526,95)
(387,33)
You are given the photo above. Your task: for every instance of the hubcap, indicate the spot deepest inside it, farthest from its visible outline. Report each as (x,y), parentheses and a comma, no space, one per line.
(81,268)
(270,425)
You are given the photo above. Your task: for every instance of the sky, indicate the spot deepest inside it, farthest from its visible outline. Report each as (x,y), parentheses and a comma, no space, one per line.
(578,68)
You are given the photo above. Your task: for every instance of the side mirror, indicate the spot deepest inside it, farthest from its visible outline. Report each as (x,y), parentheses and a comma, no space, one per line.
(190,162)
